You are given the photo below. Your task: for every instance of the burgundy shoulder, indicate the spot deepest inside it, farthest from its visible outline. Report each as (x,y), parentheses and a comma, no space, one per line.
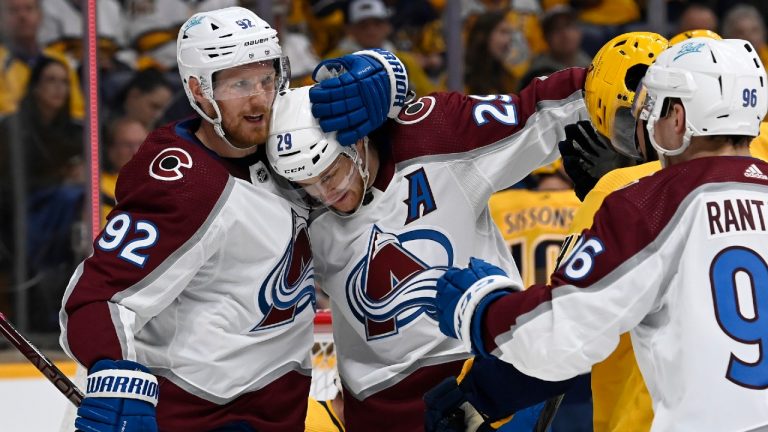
(431,125)
(658,197)
(174,185)
(169,167)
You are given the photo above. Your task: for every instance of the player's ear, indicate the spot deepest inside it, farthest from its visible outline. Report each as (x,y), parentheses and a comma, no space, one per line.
(196,89)
(678,111)
(360,145)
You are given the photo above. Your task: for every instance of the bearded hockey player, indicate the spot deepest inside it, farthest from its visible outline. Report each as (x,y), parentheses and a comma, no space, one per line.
(194,312)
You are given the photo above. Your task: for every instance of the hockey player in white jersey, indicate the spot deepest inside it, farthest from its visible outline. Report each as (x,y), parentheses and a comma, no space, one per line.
(195,310)
(678,258)
(405,204)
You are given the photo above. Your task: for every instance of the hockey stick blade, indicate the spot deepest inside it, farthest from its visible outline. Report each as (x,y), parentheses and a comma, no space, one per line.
(41,362)
(547,413)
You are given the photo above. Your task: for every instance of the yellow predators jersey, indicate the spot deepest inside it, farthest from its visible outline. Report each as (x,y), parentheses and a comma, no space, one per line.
(759,145)
(322,418)
(620,398)
(605,12)
(534,225)
(108,183)
(14,77)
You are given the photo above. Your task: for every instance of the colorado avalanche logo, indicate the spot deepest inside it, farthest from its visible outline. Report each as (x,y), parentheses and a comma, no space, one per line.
(167,165)
(391,286)
(289,288)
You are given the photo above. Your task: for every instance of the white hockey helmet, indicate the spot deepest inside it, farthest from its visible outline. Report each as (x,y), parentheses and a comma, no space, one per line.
(297,147)
(721,83)
(221,39)
(300,151)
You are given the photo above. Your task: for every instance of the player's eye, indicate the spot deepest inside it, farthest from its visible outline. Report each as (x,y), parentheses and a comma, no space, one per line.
(268,83)
(330,175)
(241,84)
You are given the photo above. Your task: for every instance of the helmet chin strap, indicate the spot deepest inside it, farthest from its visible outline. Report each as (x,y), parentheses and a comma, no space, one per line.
(217,123)
(663,152)
(362,168)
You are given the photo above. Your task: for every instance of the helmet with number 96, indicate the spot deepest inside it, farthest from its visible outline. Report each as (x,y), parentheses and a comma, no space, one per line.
(721,84)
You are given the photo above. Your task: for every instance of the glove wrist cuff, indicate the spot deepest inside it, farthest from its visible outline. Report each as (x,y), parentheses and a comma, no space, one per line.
(126,384)
(471,298)
(398,78)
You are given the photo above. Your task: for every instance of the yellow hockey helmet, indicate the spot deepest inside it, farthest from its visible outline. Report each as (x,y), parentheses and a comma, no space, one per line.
(692,34)
(612,78)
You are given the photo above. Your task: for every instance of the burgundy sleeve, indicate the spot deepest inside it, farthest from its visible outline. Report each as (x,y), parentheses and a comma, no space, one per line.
(621,230)
(450,122)
(176,208)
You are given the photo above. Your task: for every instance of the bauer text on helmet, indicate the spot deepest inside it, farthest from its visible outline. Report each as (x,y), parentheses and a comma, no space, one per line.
(212,41)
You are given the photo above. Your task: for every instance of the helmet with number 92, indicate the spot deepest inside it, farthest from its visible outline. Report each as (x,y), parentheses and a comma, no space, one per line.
(210,42)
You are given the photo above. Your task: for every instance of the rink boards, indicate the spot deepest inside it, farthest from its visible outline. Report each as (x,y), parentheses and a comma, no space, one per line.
(29,402)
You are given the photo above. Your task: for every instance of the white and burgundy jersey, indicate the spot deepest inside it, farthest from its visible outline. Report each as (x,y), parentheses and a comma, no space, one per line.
(441,160)
(203,273)
(679,258)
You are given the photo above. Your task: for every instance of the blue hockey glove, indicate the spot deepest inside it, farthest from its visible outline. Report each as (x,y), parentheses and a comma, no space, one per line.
(120,397)
(447,410)
(356,93)
(462,293)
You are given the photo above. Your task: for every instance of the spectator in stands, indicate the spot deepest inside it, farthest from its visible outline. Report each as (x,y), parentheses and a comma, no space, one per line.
(144,98)
(41,149)
(62,27)
(601,19)
(745,22)
(563,35)
(323,20)
(20,23)
(151,28)
(418,29)
(488,44)
(721,7)
(296,45)
(124,136)
(368,26)
(62,32)
(697,16)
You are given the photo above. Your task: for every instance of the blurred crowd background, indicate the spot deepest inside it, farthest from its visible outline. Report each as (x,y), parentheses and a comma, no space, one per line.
(44,219)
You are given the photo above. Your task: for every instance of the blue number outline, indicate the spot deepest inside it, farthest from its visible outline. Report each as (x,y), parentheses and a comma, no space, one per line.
(128,251)
(725,300)
(508,117)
